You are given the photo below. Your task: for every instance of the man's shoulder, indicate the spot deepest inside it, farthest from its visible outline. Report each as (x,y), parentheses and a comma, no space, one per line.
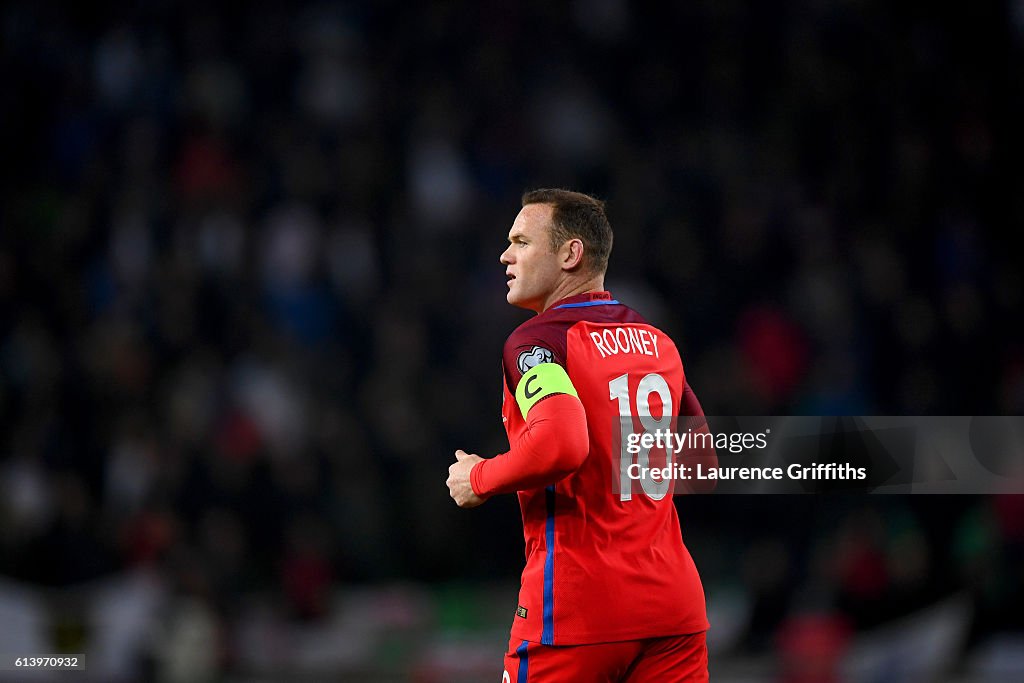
(556,322)
(538,326)
(548,330)
(540,339)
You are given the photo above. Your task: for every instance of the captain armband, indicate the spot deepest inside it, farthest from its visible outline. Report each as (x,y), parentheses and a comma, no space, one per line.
(540,382)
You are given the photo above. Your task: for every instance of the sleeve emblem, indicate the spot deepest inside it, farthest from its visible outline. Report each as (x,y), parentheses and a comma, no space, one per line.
(533,358)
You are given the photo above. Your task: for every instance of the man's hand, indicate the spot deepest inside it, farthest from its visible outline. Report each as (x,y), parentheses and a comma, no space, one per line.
(459,487)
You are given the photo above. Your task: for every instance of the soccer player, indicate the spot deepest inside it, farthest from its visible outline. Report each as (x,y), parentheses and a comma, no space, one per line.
(609,592)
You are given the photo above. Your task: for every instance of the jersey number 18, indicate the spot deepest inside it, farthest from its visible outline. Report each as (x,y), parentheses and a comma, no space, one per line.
(618,390)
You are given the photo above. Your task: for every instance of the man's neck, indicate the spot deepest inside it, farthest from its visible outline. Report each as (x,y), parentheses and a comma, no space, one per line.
(573,287)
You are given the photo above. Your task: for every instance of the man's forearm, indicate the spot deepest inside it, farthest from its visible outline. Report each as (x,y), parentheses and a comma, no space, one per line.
(554,445)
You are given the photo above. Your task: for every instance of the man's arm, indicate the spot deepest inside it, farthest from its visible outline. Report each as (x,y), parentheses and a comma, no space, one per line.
(553,446)
(689,407)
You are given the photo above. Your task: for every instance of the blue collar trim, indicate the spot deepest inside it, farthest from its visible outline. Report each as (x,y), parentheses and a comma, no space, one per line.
(584,304)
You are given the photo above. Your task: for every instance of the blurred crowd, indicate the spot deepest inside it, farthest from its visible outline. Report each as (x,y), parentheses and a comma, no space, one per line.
(250,301)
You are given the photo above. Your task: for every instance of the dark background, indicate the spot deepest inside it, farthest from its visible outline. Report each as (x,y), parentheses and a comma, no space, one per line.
(250,301)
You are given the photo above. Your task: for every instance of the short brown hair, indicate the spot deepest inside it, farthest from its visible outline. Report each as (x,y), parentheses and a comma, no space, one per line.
(577,215)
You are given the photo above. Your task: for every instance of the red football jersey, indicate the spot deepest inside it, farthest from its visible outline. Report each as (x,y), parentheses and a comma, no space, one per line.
(603,562)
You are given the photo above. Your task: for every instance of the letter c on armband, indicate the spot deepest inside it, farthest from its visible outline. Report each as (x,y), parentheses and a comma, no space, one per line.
(541,381)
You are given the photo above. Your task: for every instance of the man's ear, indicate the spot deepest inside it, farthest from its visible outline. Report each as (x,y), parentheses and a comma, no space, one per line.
(572,254)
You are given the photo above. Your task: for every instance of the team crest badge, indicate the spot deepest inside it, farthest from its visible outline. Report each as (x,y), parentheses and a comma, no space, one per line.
(533,357)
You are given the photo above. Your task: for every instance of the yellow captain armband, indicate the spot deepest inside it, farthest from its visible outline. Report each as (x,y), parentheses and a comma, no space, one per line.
(540,382)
